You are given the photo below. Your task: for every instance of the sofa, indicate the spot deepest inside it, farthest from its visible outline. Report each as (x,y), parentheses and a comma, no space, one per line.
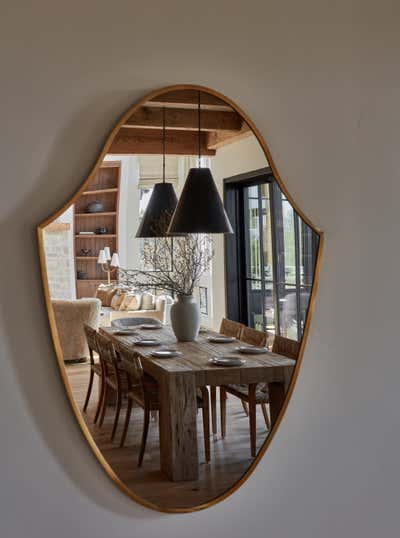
(121,302)
(70,316)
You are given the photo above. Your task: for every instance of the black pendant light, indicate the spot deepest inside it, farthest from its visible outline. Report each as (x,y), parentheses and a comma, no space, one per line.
(161,205)
(200,208)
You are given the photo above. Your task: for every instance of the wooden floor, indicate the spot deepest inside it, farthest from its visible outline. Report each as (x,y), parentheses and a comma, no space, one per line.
(230,457)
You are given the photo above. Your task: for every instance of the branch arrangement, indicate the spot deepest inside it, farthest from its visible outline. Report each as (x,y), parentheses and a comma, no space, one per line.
(178,264)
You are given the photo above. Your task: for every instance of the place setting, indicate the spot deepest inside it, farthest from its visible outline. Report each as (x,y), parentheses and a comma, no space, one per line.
(147,342)
(150,326)
(227,360)
(251,350)
(128,331)
(221,339)
(166,353)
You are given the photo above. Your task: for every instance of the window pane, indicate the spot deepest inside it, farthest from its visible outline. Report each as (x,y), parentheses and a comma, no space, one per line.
(305,292)
(267,233)
(289,242)
(269,308)
(288,311)
(307,256)
(254,255)
(254,304)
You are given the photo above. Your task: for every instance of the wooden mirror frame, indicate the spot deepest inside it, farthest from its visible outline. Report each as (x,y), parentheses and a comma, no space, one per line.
(50,219)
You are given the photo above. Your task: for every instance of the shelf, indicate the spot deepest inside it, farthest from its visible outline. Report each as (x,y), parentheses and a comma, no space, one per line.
(104,187)
(100,191)
(93,281)
(93,236)
(100,214)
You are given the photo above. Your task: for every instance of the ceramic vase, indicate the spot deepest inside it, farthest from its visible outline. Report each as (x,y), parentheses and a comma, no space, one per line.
(185,318)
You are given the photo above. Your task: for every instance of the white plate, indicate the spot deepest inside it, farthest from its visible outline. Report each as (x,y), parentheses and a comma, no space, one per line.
(251,350)
(124,332)
(150,326)
(227,360)
(147,342)
(221,339)
(165,353)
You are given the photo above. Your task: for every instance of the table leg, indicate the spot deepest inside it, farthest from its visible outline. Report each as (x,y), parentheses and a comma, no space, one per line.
(276,399)
(178,427)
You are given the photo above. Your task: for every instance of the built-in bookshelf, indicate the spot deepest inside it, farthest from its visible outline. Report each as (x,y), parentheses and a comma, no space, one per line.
(104,188)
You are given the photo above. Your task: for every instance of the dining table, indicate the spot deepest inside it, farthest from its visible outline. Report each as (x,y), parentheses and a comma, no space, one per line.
(178,379)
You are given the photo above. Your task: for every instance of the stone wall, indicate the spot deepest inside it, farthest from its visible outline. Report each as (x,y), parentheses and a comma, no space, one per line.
(59,260)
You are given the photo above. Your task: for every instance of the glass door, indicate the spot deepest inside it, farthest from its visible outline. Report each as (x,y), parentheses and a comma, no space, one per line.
(279,250)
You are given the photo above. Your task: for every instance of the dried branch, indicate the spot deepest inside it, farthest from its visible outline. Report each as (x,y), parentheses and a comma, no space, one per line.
(178,263)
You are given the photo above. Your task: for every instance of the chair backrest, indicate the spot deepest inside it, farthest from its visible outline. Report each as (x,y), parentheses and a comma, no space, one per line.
(131,364)
(231,328)
(285,346)
(253,337)
(91,338)
(107,354)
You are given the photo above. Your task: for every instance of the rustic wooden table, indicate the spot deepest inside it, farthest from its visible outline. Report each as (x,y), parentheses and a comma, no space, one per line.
(178,379)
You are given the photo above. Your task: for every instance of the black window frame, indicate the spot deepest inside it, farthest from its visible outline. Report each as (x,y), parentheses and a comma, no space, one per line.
(236,277)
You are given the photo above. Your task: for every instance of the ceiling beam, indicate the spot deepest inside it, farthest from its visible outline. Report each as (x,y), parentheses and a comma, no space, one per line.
(188,97)
(131,141)
(218,139)
(175,118)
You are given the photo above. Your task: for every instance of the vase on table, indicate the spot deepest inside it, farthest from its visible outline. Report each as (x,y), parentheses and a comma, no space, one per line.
(185,318)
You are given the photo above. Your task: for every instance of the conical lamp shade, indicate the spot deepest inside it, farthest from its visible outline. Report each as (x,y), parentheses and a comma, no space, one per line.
(200,208)
(159,211)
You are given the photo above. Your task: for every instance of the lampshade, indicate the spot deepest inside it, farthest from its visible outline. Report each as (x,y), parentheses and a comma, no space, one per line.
(159,210)
(102,258)
(200,208)
(107,253)
(114,260)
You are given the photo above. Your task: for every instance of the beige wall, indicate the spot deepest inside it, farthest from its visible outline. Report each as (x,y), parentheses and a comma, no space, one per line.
(320,79)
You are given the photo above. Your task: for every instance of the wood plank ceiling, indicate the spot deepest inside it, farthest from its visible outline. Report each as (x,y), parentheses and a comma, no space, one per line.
(142,132)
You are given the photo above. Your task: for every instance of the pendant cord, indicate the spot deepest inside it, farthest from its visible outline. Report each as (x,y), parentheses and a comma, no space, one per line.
(199,121)
(163,163)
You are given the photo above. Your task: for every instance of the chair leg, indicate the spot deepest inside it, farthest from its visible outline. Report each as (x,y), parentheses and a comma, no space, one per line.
(206,422)
(266,417)
(144,435)
(222,402)
(245,409)
(100,401)
(89,390)
(117,413)
(252,417)
(126,425)
(104,404)
(214,409)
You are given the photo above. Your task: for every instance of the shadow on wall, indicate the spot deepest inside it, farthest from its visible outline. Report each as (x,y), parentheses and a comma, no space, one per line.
(35,367)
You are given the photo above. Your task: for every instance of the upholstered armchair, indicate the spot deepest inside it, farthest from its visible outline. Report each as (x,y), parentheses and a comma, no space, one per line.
(70,317)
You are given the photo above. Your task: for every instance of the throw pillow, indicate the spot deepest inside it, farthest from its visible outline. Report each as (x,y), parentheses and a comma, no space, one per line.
(117,300)
(148,302)
(131,301)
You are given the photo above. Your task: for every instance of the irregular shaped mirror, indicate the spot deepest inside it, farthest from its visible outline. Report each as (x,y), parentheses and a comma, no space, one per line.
(179,332)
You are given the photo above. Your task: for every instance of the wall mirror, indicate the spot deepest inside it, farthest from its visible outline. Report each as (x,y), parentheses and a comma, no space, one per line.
(179,282)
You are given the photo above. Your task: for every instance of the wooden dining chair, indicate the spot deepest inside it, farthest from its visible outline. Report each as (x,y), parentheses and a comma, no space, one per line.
(95,369)
(231,328)
(143,390)
(256,393)
(114,379)
(253,337)
(227,328)
(286,346)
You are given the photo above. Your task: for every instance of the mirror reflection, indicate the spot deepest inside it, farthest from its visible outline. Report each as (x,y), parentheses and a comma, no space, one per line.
(180,281)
